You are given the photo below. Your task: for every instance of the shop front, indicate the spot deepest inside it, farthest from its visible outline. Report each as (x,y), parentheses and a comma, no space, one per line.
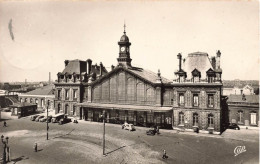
(146,116)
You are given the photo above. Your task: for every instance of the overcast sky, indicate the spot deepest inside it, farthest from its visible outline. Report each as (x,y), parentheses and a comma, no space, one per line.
(47,33)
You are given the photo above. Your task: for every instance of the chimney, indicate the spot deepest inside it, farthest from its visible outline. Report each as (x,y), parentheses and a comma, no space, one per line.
(159,79)
(112,67)
(180,58)
(100,69)
(218,59)
(89,65)
(66,62)
(213,62)
(49,78)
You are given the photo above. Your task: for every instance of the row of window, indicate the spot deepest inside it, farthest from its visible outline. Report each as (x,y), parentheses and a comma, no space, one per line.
(195,119)
(66,111)
(67,95)
(195,102)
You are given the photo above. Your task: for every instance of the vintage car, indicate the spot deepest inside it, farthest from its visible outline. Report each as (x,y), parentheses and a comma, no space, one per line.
(152,131)
(39,117)
(33,117)
(57,117)
(64,120)
(233,126)
(129,127)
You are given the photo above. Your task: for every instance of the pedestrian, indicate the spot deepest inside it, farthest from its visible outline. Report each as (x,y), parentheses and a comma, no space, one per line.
(157,130)
(35,147)
(164,155)
(5,124)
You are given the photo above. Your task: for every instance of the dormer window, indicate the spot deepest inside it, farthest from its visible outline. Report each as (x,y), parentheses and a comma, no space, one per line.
(196,75)
(211,75)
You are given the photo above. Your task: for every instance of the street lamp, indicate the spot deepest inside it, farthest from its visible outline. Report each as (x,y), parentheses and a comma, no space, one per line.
(103,116)
(47,119)
(6,155)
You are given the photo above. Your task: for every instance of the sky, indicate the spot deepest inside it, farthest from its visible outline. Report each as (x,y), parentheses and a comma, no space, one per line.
(46,33)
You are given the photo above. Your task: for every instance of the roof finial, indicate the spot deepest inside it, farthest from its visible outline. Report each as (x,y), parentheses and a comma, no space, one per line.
(124,27)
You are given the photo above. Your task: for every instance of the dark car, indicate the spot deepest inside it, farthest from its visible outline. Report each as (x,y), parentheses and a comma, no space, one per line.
(233,126)
(64,120)
(151,131)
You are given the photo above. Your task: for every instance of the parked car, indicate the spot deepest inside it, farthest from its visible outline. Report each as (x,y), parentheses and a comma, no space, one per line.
(57,117)
(39,117)
(64,120)
(129,127)
(153,130)
(49,119)
(233,126)
(33,117)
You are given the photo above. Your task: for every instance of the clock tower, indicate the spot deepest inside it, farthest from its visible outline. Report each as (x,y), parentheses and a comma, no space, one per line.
(124,51)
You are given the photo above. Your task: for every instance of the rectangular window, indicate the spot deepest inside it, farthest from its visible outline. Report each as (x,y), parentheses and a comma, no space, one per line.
(67,94)
(196,79)
(181,118)
(181,99)
(210,120)
(59,94)
(210,101)
(195,119)
(253,118)
(75,94)
(195,100)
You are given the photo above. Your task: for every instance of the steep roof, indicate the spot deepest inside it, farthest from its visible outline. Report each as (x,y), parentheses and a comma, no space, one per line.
(148,75)
(198,60)
(76,66)
(46,90)
(238,98)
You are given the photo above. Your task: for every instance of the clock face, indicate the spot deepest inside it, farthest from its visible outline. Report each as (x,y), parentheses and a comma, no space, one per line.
(122,49)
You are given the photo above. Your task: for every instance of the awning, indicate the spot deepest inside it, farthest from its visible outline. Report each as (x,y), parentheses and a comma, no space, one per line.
(126,107)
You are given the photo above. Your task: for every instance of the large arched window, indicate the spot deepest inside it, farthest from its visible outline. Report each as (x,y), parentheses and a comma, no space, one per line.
(140,92)
(130,89)
(66,109)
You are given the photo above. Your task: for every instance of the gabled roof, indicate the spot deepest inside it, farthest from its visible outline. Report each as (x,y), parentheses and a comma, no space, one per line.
(198,60)
(196,72)
(145,75)
(46,90)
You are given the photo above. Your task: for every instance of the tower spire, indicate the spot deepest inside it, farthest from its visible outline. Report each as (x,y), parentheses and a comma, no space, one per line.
(124,27)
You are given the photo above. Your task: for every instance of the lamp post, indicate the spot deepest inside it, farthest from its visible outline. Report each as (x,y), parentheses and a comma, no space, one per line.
(6,157)
(103,116)
(47,119)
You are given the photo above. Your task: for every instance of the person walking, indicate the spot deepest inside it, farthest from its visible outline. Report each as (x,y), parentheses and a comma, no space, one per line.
(5,124)
(164,155)
(35,147)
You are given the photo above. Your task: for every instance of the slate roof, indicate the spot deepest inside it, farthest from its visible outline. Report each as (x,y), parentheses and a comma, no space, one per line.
(46,90)
(76,66)
(238,98)
(148,75)
(198,60)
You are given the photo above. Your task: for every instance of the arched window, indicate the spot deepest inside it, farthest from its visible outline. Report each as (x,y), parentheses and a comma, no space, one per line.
(181,118)
(195,119)
(31,100)
(210,120)
(140,92)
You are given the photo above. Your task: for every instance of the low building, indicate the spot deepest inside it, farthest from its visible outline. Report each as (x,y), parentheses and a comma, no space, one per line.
(43,97)
(244,109)
(23,109)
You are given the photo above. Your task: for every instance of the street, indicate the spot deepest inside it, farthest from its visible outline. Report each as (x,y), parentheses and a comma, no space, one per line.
(82,143)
